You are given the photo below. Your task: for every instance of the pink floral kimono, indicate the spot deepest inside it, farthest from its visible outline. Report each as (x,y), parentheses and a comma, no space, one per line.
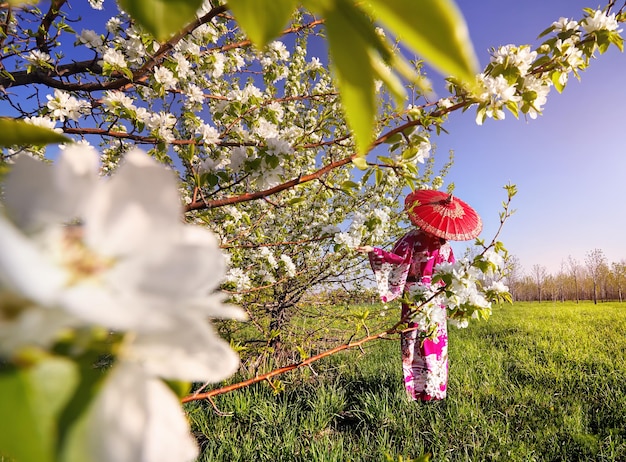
(424,361)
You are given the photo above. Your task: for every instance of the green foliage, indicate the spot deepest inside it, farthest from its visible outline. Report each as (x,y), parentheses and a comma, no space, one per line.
(353,69)
(17,132)
(435,30)
(31,400)
(537,382)
(262,20)
(162,18)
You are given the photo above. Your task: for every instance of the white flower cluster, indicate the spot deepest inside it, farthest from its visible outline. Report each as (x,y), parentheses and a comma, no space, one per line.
(78,252)
(38,58)
(354,235)
(290,267)
(510,82)
(430,313)
(64,106)
(466,288)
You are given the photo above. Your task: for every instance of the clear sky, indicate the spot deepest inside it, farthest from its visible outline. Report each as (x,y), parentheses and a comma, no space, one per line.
(569,164)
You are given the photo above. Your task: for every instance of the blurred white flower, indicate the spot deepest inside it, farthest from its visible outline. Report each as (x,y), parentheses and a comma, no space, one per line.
(129,264)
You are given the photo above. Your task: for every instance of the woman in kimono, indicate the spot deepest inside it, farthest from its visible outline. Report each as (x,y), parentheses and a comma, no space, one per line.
(411,262)
(424,356)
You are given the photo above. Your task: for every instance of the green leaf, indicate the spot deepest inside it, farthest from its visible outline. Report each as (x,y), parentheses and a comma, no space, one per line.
(31,399)
(262,20)
(379,176)
(17,132)
(434,29)
(161,18)
(353,72)
(349,186)
(360,162)
(296,200)
(555,77)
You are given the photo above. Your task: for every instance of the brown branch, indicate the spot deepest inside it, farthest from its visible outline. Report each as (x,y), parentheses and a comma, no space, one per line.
(273,244)
(47,78)
(22,78)
(395,329)
(307,362)
(44,27)
(246,197)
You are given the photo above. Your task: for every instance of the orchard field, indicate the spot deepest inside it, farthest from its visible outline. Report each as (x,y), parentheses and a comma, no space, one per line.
(539,381)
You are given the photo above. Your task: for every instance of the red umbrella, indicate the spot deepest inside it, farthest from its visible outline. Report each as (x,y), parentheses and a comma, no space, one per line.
(443,215)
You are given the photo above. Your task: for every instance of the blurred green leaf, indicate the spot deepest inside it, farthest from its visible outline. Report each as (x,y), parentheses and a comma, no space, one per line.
(31,399)
(17,132)
(353,70)
(434,29)
(360,162)
(162,18)
(262,20)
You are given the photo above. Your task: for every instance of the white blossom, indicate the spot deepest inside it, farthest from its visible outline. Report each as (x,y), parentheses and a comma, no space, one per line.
(218,60)
(44,122)
(38,58)
(90,38)
(115,98)
(290,267)
(183,67)
(277,146)
(498,287)
(96,4)
(266,129)
(279,49)
(165,77)
(239,278)
(114,58)
(269,177)
(268,256)
(600,21)
(113,25)
(64,106)
(565,24)
(209,134)
(238,156)
(135,50)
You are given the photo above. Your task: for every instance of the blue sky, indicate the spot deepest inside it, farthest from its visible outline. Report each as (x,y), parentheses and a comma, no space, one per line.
(569,164)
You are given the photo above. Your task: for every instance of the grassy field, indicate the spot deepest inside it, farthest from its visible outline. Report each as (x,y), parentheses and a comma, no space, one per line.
(538,382)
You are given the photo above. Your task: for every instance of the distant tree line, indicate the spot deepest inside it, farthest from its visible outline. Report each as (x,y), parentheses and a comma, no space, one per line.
(594,279)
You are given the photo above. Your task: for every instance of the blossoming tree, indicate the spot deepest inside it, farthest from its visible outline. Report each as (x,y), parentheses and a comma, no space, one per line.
(271,159)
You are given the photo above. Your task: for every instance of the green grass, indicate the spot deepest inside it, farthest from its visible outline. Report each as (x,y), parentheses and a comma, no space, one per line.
(543,382)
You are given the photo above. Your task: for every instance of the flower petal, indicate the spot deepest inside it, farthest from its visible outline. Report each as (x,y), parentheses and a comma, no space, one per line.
(38,194)
(190,266)
(29,194)
(24,269)
(137,418)
(188,350)
(138,207)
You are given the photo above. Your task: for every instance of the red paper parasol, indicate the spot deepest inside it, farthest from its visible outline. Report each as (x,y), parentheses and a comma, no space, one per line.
(443,215)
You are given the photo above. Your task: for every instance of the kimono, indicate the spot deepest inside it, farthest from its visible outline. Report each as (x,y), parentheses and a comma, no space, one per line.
(411,261)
